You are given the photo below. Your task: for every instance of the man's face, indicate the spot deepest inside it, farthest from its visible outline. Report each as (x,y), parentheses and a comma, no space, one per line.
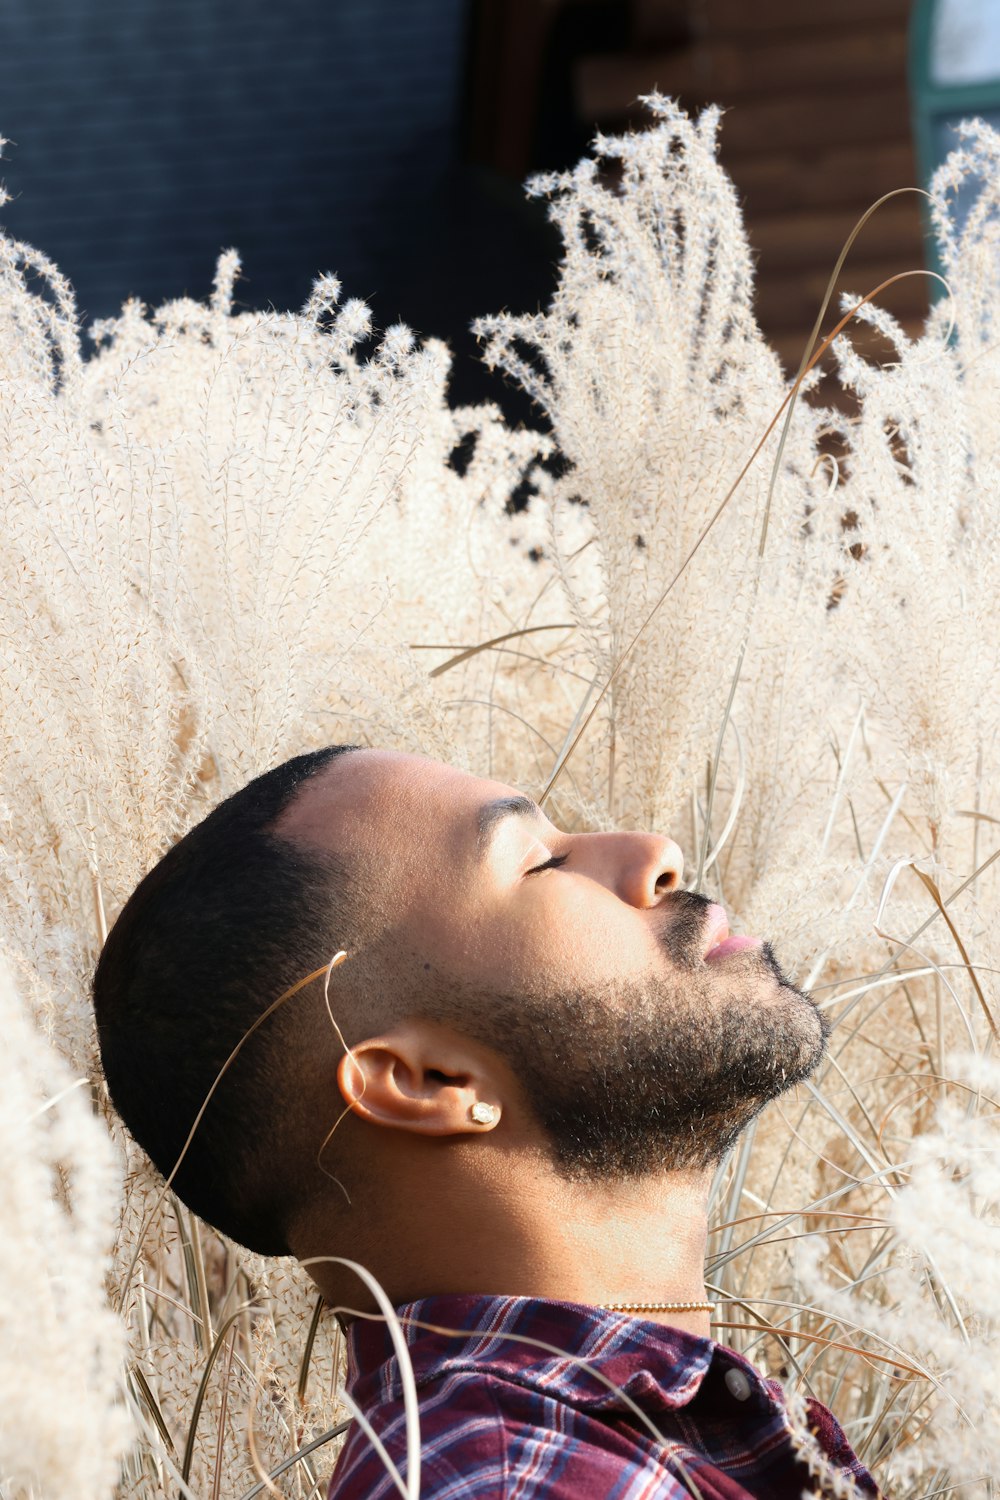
(577,957)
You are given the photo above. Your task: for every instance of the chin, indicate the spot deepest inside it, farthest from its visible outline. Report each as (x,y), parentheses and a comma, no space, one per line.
(804,1024)
(794,1030)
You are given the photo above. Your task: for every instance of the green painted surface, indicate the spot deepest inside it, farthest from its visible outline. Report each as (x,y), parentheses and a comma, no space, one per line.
(938,106)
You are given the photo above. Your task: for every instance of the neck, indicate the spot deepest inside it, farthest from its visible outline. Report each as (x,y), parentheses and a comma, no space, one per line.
(631,1243)
(531,1233)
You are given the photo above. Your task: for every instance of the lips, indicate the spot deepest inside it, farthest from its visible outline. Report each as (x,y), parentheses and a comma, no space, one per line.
(716,928)
(719,941)
(734,944)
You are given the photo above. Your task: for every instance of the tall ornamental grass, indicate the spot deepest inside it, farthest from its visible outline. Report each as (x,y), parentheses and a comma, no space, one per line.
(767,627)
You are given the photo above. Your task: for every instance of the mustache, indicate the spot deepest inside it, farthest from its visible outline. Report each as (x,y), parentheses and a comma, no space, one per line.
(683,939)
(685,915)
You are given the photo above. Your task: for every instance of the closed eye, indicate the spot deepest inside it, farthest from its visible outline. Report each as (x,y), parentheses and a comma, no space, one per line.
(550,864)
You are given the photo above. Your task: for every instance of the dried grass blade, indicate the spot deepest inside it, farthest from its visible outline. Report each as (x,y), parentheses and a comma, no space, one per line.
(151,1404)
(737,803)
(223,1410)
(841,258)
(498,640)
(970,967)
(307,1351)
(838,790)
(296,1457)
(895,1360)
(199,1399)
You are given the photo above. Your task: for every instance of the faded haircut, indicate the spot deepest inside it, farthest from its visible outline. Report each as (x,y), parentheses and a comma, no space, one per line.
(228,920)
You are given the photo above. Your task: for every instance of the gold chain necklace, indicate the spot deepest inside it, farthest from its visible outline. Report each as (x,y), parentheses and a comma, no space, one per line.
(657,1306)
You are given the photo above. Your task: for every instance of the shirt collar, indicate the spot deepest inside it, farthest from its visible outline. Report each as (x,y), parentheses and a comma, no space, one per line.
(590,1358)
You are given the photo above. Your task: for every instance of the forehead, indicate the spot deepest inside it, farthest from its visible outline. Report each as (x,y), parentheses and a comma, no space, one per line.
(374,801)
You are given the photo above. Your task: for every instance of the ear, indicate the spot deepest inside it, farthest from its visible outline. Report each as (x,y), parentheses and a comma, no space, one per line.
(421,1077)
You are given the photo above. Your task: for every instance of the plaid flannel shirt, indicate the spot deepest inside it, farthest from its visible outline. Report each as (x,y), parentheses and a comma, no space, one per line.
(530,1398)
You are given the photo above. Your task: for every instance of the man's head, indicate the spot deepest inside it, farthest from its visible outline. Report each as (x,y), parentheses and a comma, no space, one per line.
(564,979)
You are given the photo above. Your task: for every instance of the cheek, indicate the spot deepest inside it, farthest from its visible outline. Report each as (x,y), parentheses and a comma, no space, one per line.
(573,931)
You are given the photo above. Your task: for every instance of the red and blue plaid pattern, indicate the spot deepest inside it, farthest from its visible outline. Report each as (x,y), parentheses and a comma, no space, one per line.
(522,1398)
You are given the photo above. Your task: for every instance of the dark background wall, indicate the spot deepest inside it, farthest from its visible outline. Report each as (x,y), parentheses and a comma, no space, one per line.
(312,135)
(149,135)
(387,141)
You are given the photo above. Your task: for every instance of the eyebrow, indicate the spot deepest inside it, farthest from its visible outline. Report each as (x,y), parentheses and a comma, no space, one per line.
(493,814)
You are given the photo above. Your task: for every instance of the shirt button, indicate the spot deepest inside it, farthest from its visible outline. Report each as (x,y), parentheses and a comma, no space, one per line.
(739,1385)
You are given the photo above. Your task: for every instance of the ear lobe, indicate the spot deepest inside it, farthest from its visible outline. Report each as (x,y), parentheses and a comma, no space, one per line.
(413,1079)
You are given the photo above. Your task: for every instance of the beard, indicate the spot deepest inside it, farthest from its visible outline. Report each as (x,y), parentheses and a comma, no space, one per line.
(661,1073)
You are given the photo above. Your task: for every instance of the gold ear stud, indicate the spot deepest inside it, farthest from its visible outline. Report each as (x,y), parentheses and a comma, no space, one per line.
(484,1114)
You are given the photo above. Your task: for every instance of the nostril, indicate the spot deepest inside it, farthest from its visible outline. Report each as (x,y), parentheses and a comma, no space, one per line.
(668,862)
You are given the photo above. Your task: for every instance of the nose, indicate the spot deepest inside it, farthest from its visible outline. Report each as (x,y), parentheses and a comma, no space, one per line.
(641,868)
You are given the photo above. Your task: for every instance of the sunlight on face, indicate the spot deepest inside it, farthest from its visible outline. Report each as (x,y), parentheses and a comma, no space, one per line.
(637,1027)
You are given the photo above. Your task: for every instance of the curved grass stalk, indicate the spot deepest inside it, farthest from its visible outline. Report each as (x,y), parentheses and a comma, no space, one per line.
(890,881)
(847,1129)
(164,1458)
(877,1132)
(411,1489)
(852,1135)
(894,1357)
(357,1415)
(771,1330)
(736,1186)
(539,661)
(919,931)
(956,938)
(183,1307)
(876,848)
(805,365)
(57,1099)
(651,615)
(264,1016)
(151,1404)
(735,805)
(296,1457)
(497,640)
(491,706)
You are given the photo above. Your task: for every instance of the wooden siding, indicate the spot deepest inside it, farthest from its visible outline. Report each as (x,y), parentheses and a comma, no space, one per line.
(816,128)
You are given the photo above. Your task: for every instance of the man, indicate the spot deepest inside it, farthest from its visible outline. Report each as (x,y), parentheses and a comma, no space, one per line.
(506,1104)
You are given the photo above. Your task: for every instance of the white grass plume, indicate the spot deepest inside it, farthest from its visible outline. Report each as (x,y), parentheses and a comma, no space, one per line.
(63,1426)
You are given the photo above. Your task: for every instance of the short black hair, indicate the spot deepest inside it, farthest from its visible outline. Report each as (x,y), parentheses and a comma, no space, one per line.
(229,919)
